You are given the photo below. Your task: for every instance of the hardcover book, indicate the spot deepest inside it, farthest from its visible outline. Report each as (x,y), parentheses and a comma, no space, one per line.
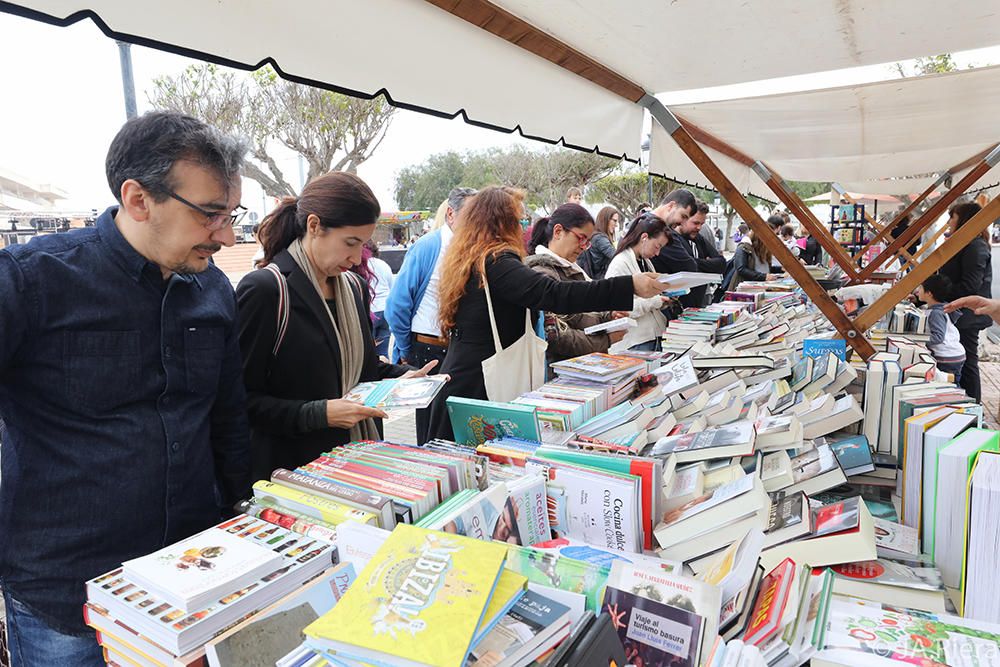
(474,421)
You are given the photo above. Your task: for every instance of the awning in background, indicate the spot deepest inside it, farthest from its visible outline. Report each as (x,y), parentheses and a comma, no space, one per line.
(423,57)
(852,135)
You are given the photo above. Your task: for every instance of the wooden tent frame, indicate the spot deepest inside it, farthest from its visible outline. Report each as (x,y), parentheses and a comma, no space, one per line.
(503,24)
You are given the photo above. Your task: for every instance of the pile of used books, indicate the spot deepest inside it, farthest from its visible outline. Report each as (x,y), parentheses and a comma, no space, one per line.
(751,495)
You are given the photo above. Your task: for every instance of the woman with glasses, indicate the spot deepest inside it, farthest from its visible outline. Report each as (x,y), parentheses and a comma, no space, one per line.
(643,240)
(557,242)
(304,326)
(595,260)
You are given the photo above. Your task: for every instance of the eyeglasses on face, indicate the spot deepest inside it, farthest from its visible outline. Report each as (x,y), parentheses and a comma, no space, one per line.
(214,220)
(583,239)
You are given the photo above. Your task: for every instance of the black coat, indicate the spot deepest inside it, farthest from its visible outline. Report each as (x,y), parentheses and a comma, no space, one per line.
(306,368)
(677,256)
(595,259)
(513,287)
(971,274)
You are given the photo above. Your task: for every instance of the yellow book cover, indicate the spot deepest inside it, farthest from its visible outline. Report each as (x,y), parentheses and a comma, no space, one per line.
(318,507)
(419,601)
(510,587)
(722,566)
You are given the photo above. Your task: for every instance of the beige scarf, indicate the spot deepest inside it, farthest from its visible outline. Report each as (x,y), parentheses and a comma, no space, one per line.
(348,332)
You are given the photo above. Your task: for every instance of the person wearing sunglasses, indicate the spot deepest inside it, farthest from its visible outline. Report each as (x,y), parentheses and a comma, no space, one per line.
(120,382)
(556,244)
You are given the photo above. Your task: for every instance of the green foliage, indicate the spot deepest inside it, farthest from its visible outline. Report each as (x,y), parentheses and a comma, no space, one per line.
(928,65)
(807,189)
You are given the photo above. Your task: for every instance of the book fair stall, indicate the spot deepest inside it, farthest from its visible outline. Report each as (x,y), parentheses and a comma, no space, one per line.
(789,481)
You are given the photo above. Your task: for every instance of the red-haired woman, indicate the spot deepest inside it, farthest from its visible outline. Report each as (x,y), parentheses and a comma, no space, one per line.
(488,243)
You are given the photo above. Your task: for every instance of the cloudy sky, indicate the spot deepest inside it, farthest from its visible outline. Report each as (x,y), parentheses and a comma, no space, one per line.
(63,104)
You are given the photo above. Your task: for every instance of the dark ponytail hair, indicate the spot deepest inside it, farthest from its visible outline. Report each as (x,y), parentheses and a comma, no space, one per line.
(645,223)
(337,198)
(567,216)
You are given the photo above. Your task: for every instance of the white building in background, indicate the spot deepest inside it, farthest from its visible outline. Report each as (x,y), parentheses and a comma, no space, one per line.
(18,193)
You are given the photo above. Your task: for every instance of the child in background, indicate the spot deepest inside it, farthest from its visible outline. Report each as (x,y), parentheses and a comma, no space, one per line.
(944,342)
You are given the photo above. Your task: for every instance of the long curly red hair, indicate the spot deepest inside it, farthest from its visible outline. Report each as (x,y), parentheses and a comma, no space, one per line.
(488,224)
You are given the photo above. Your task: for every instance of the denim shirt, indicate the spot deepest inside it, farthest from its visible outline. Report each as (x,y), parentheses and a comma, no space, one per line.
(125,411)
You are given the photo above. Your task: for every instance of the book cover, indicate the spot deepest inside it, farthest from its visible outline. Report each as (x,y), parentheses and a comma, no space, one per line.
(653,633)
(193,571)
(534,618)
(895,537)
(474,421)
(862,633)
(836,517)
(567,574)
(892,572)
(786,512)
(398,392)
(823,347)
(676,376)
(738,433)
(775,590)
(854,455)
(420,598)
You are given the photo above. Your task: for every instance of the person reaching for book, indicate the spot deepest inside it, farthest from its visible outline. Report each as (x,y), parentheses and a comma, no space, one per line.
(557,242)
(752,261)
(489,248)
(643,240)
(304,327)
(979,305)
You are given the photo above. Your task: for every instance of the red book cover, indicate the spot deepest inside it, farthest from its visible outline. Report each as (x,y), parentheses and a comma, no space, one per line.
(368,481)
(769,607)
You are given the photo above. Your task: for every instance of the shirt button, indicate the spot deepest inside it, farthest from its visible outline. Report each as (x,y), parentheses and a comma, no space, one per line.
(175,446)
(167,351)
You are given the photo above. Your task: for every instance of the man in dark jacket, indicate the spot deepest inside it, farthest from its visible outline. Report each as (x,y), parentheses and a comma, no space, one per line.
(689,251)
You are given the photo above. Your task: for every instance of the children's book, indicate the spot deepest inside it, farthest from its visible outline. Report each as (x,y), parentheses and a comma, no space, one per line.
(474,421)
(398,392)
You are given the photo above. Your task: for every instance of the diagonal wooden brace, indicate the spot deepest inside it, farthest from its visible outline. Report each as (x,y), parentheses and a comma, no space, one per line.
(961,238)
(806,217)
(846,196)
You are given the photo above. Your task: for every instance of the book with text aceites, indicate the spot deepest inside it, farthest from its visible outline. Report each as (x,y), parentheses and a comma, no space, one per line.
(654,633)
(474,421)
(193,572)
(419,601)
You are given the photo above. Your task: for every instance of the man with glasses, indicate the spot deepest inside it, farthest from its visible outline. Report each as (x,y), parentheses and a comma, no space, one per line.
(120,382)
(412,307)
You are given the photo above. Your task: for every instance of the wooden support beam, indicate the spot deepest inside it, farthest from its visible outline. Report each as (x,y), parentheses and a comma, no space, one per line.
(806,217)
(961,238)
(817,294)
(936,209)
(925,248)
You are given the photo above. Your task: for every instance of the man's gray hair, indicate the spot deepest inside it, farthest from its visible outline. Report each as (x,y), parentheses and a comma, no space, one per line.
(457,197)
(146,148)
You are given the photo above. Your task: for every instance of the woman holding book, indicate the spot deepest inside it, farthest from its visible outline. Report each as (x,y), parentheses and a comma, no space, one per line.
(488,252)
(752,260)
(643,240)
(304,326)
(971,274)
(557,242)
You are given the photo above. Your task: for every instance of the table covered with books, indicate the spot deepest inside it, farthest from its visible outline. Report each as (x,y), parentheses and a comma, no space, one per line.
(751,495)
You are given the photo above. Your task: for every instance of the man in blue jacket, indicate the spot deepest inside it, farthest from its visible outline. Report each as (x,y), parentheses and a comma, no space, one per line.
(412,307)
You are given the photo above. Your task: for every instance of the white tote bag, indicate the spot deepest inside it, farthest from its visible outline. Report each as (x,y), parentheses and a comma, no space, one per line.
(517,369)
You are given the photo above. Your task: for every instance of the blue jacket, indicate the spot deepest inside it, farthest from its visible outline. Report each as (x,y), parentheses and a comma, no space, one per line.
(408,290)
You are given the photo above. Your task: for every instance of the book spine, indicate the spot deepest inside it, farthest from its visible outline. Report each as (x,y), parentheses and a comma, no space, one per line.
(411,484)
(354,497)
(322,508)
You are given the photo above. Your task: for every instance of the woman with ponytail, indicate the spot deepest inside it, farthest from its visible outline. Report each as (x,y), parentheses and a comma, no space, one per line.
(488,250)
(296,374)
(557,243)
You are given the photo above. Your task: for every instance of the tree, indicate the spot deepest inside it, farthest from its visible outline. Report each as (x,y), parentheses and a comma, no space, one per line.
(626,191)
(544,175)
(329,130)
(928,65)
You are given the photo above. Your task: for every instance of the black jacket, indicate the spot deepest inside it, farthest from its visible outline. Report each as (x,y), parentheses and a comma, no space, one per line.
(971,274)
(677,256)
(306,368)
(595,259)
(812,253)
(513,287)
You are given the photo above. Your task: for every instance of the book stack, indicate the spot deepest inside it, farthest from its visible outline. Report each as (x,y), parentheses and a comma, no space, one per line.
(162,606)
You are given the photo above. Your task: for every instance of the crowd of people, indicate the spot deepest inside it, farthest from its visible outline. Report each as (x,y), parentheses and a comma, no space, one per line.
(142,396)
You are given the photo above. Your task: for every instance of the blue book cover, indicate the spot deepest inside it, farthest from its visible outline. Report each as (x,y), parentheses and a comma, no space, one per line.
(854,455)
(820,347)
(474,421)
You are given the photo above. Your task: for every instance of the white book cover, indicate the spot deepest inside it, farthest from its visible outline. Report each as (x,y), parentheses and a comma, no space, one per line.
(214,562)
(895,537)
(530,508)
(358,542)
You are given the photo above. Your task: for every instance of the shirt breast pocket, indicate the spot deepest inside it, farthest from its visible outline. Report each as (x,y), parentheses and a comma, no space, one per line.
(203,352)
(102,368)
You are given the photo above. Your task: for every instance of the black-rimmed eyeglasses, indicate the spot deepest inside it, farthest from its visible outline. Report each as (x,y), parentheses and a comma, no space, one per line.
(215,220)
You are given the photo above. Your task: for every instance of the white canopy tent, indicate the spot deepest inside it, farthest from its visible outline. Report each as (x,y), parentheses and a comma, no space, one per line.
(858,136)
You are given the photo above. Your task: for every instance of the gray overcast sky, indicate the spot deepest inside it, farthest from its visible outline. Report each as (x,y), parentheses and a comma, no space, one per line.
(62,96)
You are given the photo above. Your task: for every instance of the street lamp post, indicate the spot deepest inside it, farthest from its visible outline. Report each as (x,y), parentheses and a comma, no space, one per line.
(128,82)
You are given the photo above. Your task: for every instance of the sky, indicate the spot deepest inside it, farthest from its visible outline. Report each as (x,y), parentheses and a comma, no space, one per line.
(63,104)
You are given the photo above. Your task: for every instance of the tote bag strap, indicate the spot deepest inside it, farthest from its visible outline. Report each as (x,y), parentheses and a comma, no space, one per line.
(493,320)
(283,307)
